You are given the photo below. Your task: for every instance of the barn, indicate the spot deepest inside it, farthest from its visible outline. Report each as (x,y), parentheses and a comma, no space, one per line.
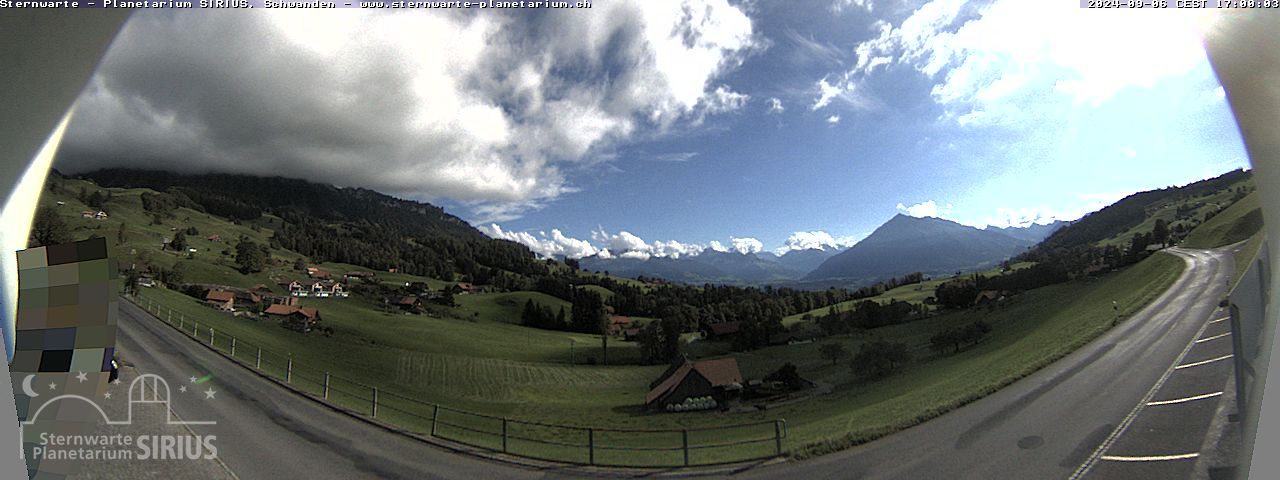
(717,379)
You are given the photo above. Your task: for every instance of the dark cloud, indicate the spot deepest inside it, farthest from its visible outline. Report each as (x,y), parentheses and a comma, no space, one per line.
(485,108)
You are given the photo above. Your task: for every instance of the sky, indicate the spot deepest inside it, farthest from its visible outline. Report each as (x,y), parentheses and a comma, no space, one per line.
(669,128)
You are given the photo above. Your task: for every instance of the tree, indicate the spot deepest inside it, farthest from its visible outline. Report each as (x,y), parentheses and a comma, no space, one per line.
(833,351)
(249,256)
(1160,232)
(48,229)
(121,235)
(179,242)
(880,358)
(300,264)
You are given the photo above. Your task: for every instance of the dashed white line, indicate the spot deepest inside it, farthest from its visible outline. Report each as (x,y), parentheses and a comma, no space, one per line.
(1154,458)
(1223,319)
(1184,400)
(1196,364)
(1215,337)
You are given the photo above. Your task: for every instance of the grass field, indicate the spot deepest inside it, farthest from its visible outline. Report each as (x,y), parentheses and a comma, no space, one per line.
(476,357)
(483,366)
(1236,223)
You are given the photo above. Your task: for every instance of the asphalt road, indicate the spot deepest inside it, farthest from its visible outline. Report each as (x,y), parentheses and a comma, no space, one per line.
(1045,426)
(1049,424)
(266,432)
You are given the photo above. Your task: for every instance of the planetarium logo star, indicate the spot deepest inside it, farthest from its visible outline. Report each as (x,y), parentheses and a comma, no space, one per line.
(82,377)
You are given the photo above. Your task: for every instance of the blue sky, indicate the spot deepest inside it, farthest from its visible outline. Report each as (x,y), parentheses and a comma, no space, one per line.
(666,128)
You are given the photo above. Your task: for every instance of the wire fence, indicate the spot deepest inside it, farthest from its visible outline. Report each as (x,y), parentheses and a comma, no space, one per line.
(606,447)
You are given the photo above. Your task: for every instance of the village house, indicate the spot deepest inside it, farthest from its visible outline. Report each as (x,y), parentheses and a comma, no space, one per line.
(214,238)
(301,319)
(989,297)
(245,299)
(98,215)
(718,379)
(221,300)
(359,275)
(463,288)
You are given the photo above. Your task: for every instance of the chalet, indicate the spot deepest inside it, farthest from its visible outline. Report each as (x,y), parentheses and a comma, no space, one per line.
(261,289)
(301,319)
(718,379)
(464,288)
(221,300)
(86,214)
(359,275)
(986,297)
(618,323)
(408,303)
(146,281)
(721,330)
(245,299)
(214,238)
(316,289)
(101,215)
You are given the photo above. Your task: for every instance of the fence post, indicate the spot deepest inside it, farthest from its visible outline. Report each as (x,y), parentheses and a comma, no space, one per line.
(258,363)
(326,385)
(777,437)
(288,372)
(233,347)
(591,446)
(375,402)
(684,439)
(181,317)
(435,415)
(182,324)
(195,331)
(504,434)
(210,336)
(170,320)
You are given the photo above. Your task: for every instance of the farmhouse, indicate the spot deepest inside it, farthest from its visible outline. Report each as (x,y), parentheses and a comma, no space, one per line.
(221,300)
(721,330)
(718,379)
(618,323)
(301,319)
(464,288)
(314,272)
(214,238)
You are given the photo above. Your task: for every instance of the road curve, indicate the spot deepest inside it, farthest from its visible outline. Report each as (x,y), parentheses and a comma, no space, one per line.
(267,432)
(1047,425)
(1043,426)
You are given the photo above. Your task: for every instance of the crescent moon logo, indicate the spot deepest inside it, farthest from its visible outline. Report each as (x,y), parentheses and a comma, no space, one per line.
(26,387)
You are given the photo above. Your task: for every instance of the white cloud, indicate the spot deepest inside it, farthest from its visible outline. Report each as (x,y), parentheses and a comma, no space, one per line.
(1128,152)
(627,245)
(834,119)
(429,105)
(775,105)
(815,240)
(826,92)
(675,156)
(746,245)
(715,245)
(928,208)
(991,63)
(838,6)
(542,244)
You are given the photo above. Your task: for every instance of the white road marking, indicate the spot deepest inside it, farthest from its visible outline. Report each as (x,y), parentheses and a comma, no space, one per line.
(1215,337)
(1155,458)
(1223,319)
(1184,400)
(1088,464)
(1196,364)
